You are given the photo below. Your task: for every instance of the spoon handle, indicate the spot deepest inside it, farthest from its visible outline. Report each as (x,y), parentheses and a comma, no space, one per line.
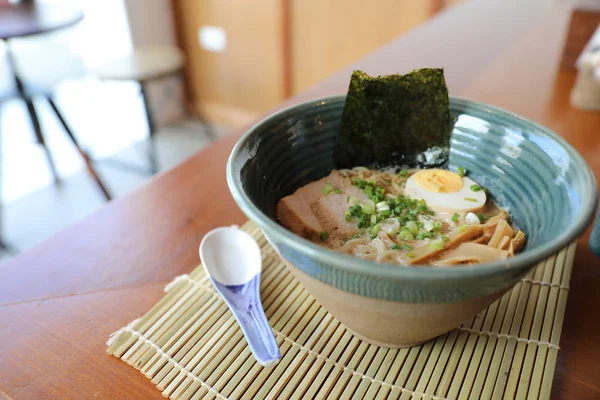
(244,303)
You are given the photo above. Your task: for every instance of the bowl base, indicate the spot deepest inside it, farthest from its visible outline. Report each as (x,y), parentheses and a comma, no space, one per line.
(389,323)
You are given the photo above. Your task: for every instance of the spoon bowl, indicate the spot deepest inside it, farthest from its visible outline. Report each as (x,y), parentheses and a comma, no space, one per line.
(232,261)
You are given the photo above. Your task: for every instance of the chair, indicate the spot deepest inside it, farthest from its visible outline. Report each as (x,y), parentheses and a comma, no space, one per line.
(143,65)
(60,63)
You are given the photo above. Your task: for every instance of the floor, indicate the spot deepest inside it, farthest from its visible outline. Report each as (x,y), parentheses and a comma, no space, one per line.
(109,120)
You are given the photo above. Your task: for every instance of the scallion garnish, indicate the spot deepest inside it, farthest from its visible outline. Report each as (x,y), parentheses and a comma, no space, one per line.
(461,171)
(481,218)
(455,218)
(348,217)
(373,219)
(324,236)
(411,254)
(475,188)
(395,246)
(406,246)
(337,191)
(436,245)
(403,173)
(445,239)
(327,188)
(368,208)
(405,235)
(375,229)
(412,227)
(470,199)
(461,228)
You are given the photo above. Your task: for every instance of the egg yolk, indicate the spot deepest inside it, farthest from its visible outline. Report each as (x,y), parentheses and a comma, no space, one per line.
(438,180)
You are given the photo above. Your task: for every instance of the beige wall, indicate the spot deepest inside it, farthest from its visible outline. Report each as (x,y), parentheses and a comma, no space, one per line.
(246,78)
(276,48)
(330,34)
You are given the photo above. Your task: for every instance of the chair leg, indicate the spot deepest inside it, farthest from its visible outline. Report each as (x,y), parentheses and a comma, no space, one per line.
(86,159)
(40,138)
(151,129)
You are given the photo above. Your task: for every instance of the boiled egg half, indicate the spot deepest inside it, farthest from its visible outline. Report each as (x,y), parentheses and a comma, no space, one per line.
(445,191)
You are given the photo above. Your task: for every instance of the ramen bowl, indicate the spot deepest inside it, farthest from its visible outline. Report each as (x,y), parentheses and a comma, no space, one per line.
(530,171)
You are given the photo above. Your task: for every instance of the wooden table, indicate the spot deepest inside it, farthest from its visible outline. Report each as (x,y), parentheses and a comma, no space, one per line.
(62,299)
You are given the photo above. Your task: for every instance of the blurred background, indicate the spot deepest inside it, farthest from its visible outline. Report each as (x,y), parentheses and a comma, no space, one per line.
(98,96)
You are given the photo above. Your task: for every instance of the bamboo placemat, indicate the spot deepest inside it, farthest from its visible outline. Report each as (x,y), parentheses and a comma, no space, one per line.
(190,346)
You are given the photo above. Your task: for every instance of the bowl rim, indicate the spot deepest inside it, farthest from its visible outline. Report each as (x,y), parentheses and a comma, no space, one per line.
(349,263)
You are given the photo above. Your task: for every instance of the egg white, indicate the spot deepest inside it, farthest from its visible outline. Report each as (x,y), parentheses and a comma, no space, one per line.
(448,202)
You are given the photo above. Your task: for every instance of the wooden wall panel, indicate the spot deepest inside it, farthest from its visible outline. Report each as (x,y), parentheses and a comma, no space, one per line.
(245,79)
(329,34)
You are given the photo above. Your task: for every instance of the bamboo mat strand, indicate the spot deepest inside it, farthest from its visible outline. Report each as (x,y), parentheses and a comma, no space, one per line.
(190,346)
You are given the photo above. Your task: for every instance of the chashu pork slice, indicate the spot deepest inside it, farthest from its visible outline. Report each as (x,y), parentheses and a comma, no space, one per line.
(330,211)
(295,212)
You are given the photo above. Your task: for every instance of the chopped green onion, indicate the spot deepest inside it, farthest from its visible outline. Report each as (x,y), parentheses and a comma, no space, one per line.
(327,188)
(337,191)
(431,212)
(390,226)
(348,217)
(461,171)
(403,173)
(405,235)
(352,200)
(324,236)
(455,217)
(373,219)
(368,208)
(385,213)
(445,239)
(375,229)
(406,246)
(437,225)
(475,188)
(481,218)
(372,235)
(395,246)
(436,245)
(421,236)
(411,254)
(382,206)
(412,227)
(461,228)
(356,236)
(470,199)
(380,190)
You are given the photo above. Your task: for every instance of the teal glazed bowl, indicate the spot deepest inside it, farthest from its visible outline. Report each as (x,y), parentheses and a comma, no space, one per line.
(529,170)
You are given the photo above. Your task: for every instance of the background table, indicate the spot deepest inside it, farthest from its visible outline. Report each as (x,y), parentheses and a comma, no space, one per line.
(30,19)
(62,299)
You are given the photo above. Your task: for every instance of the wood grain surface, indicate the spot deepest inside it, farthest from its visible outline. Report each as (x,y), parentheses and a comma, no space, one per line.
(60,301)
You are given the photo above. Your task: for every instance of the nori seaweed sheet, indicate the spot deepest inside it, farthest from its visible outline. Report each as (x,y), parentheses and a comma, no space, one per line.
(395,120)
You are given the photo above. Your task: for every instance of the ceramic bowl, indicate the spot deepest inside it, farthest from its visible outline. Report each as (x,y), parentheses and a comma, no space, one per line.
(536,175)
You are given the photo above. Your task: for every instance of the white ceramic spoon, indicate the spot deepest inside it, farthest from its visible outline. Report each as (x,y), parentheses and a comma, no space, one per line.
(231,258)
